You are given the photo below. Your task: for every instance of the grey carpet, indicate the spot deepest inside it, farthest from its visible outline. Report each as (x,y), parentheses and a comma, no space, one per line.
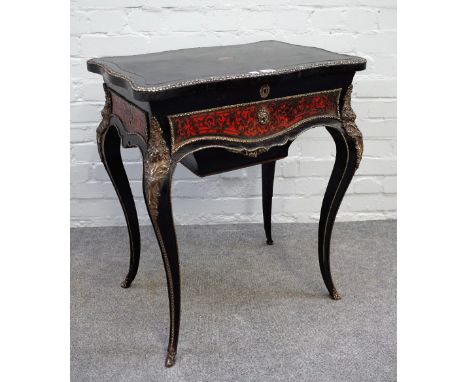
(250,312)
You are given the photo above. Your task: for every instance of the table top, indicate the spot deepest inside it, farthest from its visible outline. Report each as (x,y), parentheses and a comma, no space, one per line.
(158,72)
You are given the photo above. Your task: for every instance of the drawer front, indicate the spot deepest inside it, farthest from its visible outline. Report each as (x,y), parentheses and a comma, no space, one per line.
(133,118)
(254,121)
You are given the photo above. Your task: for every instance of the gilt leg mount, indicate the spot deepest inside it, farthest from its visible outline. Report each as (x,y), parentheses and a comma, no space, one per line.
(348,119)
(156,165)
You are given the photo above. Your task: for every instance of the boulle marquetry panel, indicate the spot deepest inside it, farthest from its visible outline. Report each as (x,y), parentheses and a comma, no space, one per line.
(254,120)
(133,118)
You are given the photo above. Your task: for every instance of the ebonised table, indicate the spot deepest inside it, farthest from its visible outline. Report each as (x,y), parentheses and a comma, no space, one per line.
(217,109)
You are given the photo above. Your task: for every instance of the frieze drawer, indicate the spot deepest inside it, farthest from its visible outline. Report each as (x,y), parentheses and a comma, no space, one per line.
(252,121)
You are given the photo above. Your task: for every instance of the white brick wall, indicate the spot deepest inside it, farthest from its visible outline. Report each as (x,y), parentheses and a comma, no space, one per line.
(363,27)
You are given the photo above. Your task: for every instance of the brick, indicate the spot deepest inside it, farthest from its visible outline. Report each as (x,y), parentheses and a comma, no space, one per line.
(375,88)
(369,203)
(95,208)
(79,72)
(199,189)
(100,45)
(182,173)
(234,174)
(387,19)
(222,20)
(346,3)
(92,90)
(361,20)
(254,172)
(79,173)
(218,206)
(380,128)
(323,149)
(134,172)
(93,190)
(107,21)
(292,20)
(187,21)
(184,4)
(288,168)
(309,167)
(284,186)
(131,155)
(378,42)
(85,112)
(335,41)
(381,108)
(390,184)
(78,135)
(180,40)
(88,132)
(257,20)
(238,188)
(74,46)
(377,3)
(367,186)
(75,91)
(85,153)
(144,21)
(311,186)
(118,4)
(302,204)
(377,166)
(382,65)
(80,23)
(295,149)
(378,149)
(326,19)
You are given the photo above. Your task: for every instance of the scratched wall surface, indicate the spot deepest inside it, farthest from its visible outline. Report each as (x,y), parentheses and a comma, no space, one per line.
(119,27)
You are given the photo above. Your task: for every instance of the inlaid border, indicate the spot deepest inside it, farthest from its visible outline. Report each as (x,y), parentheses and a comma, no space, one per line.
(106,68)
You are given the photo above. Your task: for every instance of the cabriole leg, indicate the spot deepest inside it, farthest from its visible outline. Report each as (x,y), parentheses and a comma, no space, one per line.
(108,141)
(157,176)
(349,147)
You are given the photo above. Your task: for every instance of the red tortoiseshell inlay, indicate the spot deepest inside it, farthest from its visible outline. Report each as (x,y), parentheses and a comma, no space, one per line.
(244,122)
(133,118)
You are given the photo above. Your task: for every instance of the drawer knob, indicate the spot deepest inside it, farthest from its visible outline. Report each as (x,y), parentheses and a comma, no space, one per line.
(264,91)
(263,116)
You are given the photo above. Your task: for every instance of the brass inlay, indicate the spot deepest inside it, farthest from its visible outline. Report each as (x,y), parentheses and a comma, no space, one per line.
(263,116)
(159,88)
(333,115)
(264,91)
(171,357)
(157,163)
(253,153)
(348,118)
(156,167)
(335,295)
